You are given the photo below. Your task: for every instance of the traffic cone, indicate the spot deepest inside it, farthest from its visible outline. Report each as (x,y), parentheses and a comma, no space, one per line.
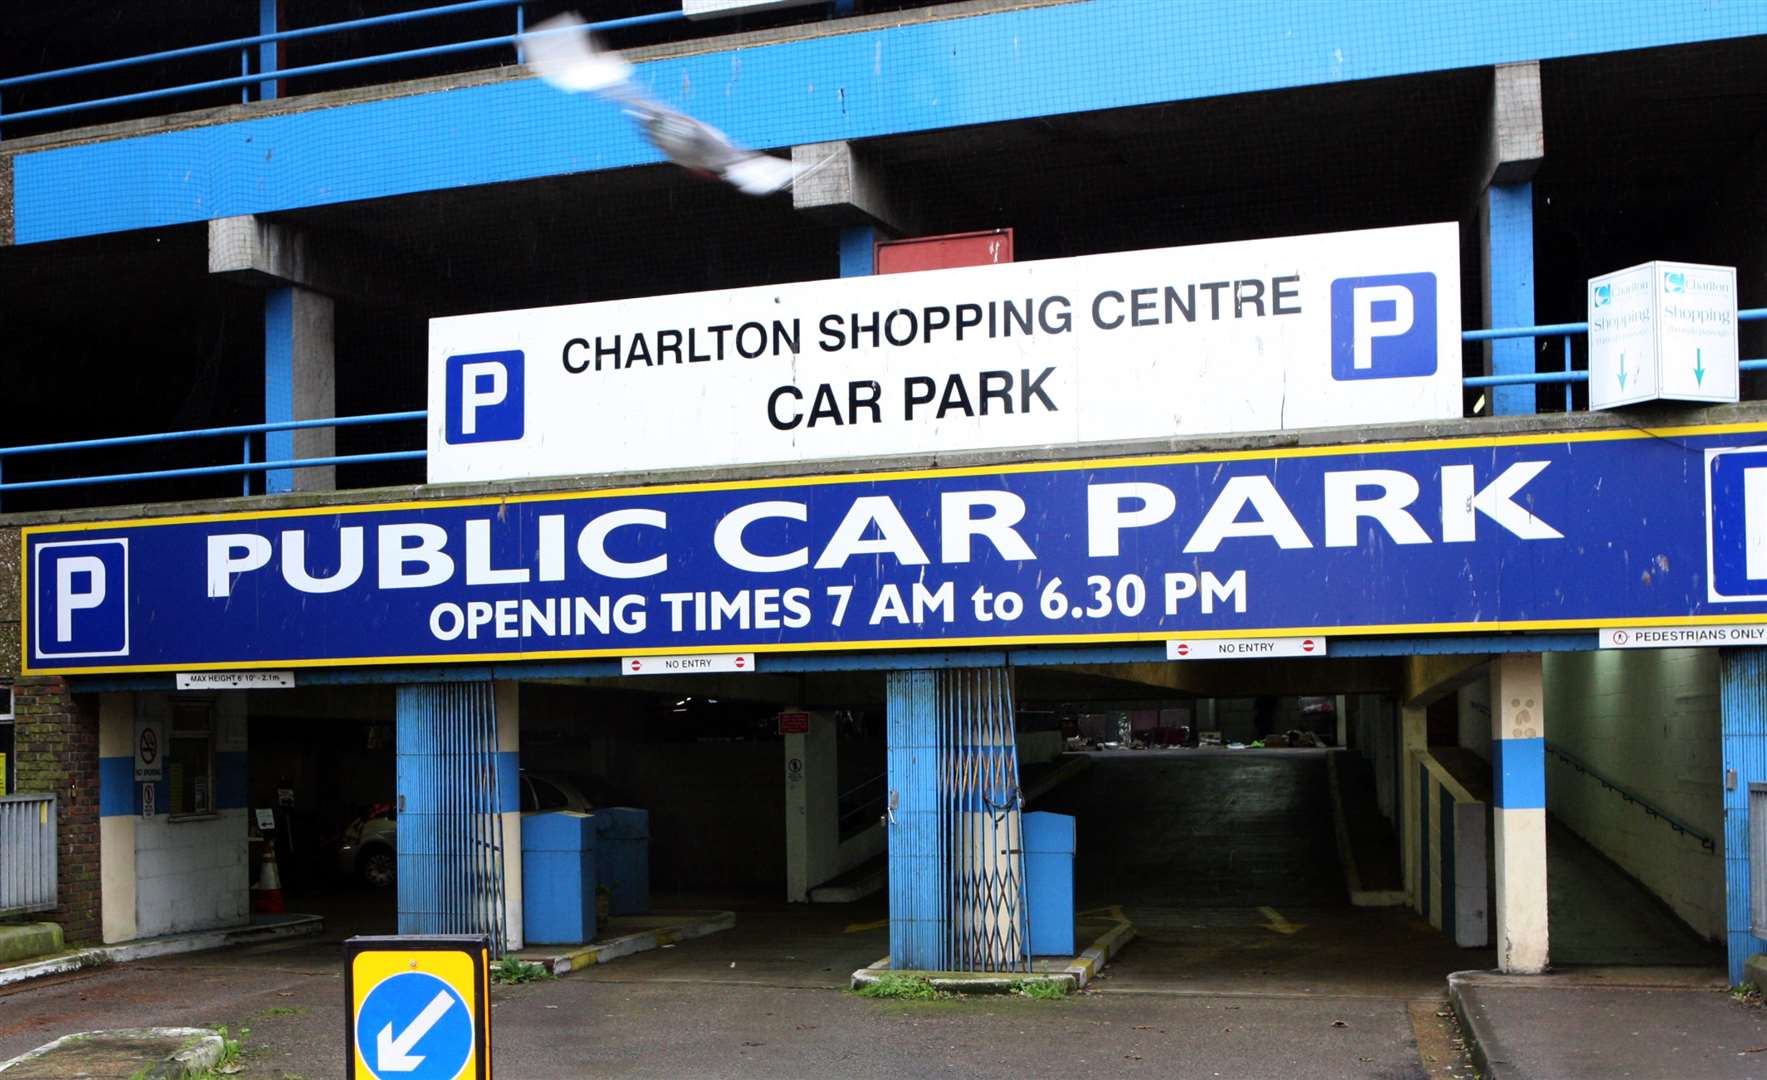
(267,893)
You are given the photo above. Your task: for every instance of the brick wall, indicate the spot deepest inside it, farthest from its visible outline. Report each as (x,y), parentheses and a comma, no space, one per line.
(57,748)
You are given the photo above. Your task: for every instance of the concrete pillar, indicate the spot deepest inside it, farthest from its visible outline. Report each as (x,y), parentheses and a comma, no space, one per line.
(1413,739)
(1518,768)
(812,807)
(117,810)
(842,187)
(509,729)
(300,375)
(1517,143)
(1742,707)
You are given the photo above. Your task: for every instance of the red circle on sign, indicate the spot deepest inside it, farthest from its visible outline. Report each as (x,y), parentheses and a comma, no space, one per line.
(740,661)
(1183,649)
(1307,645)
(637,664)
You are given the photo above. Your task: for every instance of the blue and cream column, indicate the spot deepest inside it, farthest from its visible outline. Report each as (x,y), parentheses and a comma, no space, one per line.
(509,728)
(300,363)
(118,807)
(1518,767)
(1517,145)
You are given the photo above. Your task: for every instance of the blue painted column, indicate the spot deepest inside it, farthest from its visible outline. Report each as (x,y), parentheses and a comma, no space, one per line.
(270,52)
(299,381)
(279,384)
(1742,709)
(1518,811)
(1509,236)
(918,914)
(857,258)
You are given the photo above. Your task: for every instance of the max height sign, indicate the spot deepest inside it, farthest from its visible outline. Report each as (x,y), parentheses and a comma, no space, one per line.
(1311,331)
(1583,529)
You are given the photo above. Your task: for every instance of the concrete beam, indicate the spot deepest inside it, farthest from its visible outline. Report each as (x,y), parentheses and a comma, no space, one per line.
(844,188)
(1431,678)
(1517,140)
(266,254)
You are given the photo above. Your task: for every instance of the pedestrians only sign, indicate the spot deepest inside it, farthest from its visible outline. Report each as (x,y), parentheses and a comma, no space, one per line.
(418,1008)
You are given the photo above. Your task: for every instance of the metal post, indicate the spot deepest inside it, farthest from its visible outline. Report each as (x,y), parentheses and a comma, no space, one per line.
(245,478)
(1567,340)
(245,68)
(521,27)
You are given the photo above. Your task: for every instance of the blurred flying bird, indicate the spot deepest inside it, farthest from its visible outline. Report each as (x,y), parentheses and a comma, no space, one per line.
(561,52)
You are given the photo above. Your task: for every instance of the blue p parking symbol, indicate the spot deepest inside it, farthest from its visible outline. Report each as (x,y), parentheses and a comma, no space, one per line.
(414,1026)
(1736,524)
(80,599)
(1383,327)
(485,397)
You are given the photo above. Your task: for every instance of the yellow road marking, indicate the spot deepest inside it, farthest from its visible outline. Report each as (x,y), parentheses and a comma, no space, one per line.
(1278,923)
(861,927)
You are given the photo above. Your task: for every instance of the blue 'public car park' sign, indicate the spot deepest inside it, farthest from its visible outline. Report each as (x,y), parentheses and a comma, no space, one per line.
(1550,531)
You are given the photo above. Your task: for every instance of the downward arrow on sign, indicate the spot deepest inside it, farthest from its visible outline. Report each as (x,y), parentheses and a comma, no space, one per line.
(395,1054)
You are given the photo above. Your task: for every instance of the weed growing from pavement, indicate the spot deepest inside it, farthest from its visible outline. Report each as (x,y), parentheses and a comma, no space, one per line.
(1747,993)
(512,972)
(283,1010)
(898,987)
(1041,990)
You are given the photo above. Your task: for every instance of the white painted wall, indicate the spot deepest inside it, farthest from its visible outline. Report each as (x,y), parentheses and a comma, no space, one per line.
(1648,719)
(192,873)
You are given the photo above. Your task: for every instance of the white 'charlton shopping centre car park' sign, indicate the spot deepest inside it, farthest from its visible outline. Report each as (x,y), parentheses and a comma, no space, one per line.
(1311,331)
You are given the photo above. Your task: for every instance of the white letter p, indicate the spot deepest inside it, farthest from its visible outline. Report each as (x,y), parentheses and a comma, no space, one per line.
(67,599)
(473,395)
(1367,328)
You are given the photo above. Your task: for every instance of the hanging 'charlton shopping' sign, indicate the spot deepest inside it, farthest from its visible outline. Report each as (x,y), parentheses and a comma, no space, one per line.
(1312,331)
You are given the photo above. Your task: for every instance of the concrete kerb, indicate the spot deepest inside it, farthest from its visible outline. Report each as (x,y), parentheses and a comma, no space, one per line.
(172,944)
(600,952)
(191,1051)
(1071,975)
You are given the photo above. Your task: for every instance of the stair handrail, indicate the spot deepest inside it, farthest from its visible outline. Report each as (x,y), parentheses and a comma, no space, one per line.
(1633,797)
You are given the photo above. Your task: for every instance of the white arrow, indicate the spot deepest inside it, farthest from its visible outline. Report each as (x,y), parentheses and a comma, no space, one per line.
(395,1054)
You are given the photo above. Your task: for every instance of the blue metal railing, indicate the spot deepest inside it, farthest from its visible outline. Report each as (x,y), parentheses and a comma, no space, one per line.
(1650,808)
(246,467)
(1567,331)
(270,73)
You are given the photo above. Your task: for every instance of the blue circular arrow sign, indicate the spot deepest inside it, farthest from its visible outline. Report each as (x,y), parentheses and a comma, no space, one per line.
(414,1026)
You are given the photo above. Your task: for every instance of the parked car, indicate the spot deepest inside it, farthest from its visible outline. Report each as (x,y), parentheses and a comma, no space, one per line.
(368,851)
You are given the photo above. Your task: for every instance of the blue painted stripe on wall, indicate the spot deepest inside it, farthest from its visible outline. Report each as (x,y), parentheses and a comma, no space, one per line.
(509,770)
(116,787)
(1519,768)
(983,69)
(1511,244)
(230,781)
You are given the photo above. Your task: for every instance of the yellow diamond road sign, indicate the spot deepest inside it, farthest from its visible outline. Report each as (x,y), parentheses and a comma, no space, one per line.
(418,1008)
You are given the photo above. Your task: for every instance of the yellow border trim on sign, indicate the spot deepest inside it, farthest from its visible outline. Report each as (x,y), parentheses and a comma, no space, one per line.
(26,533)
